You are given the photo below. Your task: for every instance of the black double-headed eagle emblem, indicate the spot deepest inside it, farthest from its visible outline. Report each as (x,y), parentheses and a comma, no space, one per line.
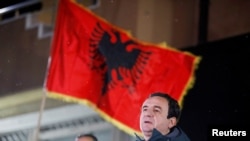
(121,63)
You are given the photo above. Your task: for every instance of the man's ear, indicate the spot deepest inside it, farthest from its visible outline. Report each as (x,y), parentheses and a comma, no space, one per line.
(172,122)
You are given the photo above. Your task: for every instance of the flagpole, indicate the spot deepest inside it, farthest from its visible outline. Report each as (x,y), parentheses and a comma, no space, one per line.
(37,130)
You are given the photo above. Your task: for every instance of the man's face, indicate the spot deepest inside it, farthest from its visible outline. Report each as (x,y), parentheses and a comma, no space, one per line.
(154,113)
(85,139)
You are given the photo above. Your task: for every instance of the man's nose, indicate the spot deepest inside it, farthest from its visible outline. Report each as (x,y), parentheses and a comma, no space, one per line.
(148,113)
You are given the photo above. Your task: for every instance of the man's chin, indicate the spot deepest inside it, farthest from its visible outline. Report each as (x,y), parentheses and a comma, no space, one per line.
(147,129)
(147,132)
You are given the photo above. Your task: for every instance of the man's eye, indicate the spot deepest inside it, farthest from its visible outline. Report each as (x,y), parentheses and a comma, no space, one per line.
(156,110)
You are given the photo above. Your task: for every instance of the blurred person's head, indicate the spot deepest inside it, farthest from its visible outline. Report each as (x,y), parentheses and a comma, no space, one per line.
(86,137)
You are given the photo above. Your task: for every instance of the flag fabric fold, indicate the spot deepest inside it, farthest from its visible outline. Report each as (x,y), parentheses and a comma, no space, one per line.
(95,63)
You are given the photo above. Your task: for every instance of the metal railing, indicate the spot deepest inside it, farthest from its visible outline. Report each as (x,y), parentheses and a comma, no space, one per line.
(18,6)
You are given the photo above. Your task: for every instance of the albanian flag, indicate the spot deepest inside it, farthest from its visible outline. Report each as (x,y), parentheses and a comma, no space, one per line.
(95,63)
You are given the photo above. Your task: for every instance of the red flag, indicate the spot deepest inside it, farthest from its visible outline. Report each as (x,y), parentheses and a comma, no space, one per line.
(96,63)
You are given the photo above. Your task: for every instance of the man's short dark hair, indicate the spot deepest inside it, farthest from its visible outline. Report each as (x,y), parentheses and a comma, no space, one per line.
(88,135)
(174,107)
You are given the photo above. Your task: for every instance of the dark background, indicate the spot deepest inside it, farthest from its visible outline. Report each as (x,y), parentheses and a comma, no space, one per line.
(219,98)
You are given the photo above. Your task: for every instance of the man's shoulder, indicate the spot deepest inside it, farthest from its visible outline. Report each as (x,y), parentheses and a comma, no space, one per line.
(178,134)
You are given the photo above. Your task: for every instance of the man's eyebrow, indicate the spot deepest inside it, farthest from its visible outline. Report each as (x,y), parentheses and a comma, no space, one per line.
(156,106)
